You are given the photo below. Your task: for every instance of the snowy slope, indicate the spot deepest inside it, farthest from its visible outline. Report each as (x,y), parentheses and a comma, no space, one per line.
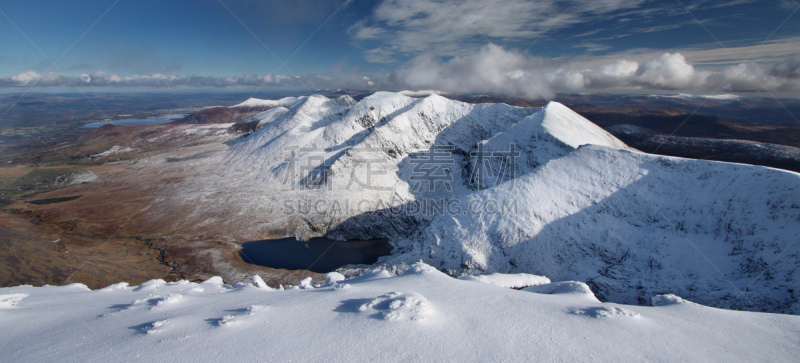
(267,116)
(344,139)
(720,234)
(585,206)
(422,315)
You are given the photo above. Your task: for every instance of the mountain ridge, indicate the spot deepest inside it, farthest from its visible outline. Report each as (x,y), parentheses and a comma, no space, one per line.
(570,180)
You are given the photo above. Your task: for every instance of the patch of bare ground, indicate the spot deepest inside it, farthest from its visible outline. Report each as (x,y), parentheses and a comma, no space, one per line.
(38,254)
(120,229)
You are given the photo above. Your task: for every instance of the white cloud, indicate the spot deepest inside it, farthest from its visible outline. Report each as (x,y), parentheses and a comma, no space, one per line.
(28,78)
(25,78)
(490,69)
(338,79)
(458,27)
(702,55)
(100,78)
(494,69)
(668,71)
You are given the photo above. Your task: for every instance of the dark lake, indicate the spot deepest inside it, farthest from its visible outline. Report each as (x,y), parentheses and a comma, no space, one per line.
(317,254)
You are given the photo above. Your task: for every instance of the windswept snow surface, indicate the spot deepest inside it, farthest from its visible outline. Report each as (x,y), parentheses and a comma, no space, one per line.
(421,315)
(578,204)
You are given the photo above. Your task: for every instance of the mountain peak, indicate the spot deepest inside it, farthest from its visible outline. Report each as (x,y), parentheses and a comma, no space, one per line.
(574,129)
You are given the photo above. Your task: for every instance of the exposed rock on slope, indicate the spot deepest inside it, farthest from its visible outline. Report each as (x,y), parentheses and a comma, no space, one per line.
(258,121)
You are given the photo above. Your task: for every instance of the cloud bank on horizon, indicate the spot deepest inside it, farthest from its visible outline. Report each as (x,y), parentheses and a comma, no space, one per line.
(516,48)
(492,69)
(497,70)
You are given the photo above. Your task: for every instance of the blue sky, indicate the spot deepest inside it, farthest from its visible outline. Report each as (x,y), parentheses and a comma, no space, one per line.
(183,37)
(527,48)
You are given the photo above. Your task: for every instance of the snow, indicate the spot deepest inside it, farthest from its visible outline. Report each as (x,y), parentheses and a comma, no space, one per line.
(337,130)
(421,314)
(633,225)
(511,281)
(84,176)
(206,129)
(259,103)
(7,301)
(257,281)
(332,278)
(269,116)
(574,130)
(116,149)
(576,288)
(668,299)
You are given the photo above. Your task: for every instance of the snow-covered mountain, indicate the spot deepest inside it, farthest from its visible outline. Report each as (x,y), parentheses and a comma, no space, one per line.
(574,202)
(722,234)
(421,315)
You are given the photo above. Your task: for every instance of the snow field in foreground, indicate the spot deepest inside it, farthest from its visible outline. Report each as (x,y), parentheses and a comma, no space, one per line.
(422,314)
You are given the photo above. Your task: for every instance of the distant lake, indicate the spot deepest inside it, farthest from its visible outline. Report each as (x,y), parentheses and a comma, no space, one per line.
(317,254)
(138,121)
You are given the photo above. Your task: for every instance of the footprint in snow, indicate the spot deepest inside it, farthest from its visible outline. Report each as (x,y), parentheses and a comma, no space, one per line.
(404,306)
(151,327)
(155,301)
(118,308)
(237,316)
